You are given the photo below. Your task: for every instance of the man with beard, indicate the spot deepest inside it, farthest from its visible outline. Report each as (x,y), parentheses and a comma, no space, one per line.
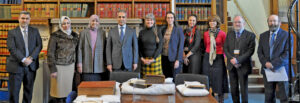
(273,53)
(239,47)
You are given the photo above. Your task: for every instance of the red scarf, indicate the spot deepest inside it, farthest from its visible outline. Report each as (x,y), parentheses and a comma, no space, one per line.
(191,34)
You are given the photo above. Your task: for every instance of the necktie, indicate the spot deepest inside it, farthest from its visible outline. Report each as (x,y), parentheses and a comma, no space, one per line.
(122,33)
(271,44)
(238,34)
(26,42)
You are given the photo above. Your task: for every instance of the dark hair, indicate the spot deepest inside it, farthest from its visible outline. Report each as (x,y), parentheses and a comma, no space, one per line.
(175,21)
(25,12)
(215,18)
(193,16)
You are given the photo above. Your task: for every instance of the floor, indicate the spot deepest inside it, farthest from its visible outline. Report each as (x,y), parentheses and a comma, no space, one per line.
(252,98)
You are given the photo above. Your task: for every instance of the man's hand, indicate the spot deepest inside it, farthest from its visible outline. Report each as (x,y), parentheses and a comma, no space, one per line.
(109,68)
(79,67)
(186,61)
(176,64)
(134,67)
(233,61)
(54,75)
(27,61)
(269,65)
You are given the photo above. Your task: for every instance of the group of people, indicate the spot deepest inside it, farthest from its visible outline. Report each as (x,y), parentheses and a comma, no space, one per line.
(168,50)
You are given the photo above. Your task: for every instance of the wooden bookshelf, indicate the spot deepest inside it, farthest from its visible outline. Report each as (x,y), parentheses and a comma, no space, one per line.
(194,4)
(184,9)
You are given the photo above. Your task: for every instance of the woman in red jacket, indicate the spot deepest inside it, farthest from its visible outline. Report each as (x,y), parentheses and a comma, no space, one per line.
(213,63)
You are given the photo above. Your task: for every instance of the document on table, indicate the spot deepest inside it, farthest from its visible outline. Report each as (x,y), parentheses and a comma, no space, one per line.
(276,76)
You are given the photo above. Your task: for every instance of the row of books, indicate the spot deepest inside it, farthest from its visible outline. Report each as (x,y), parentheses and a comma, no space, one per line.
(73,10)
(193,1)
(3,83)
(56,0)
(158,9)
(3,43)
(5,27)
(41,10)
(109,10)
(2,60)
(2,68)
(10,1)
(4,51)
(202,12)
(201,28)
(10,12)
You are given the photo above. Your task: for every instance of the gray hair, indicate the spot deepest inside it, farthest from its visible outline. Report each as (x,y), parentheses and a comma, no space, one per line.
(154,29)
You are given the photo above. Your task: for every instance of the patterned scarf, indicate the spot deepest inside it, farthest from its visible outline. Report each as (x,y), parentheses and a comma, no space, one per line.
(190,33)
(213,33)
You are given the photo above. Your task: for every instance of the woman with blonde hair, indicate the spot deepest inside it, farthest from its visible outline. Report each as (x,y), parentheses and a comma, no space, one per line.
(150,47)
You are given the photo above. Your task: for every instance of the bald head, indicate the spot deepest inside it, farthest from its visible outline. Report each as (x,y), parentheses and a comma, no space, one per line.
(273,22)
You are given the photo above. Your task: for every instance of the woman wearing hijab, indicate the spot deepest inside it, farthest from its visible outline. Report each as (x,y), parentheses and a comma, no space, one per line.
(150,47)
(191,54)
(213,63)
(61,59)
(90,62)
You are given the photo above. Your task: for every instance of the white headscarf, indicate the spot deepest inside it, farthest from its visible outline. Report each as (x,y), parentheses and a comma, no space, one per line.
(69,31)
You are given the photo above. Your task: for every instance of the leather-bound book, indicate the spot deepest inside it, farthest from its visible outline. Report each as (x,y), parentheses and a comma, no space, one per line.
(155,79)
(96,88)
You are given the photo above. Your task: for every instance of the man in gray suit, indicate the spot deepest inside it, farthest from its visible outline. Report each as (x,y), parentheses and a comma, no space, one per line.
(273,54)
(24,44)
(239,47)
(122,46)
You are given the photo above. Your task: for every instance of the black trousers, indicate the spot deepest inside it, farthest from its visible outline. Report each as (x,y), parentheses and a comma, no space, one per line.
(238,78)
(94,76)
(168,67)
(14,84)
(270,88)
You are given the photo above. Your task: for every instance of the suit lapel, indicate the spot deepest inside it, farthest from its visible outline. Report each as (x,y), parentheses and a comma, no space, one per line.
(20,35)
(88,36)
(276,42)
(99,38)
(125,35)
(30,36)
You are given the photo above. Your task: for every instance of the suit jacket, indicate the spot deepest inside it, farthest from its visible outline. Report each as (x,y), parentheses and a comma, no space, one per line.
(125,52)
(246,46)
(16,47)
(280,50)
(176,43)
(85,55)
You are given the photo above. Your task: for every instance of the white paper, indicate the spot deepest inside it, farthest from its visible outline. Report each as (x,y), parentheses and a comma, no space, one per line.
(277,75)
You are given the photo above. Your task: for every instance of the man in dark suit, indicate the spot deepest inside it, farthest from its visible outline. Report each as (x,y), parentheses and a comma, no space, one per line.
(122,46)
(239,47)
(24,44)
(273,52)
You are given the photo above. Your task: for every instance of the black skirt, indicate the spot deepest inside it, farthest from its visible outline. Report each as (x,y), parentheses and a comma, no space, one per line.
(216,73)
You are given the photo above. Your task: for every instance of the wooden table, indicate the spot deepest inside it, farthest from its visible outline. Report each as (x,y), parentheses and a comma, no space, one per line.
(128,98)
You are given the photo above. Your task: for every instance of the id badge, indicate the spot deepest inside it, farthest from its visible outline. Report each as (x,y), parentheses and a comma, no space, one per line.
(236,52)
